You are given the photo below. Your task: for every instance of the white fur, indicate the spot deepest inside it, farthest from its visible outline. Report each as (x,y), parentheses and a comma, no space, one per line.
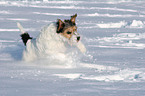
(49,43)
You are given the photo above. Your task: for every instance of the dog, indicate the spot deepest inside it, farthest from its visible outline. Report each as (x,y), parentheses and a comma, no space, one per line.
(52,40)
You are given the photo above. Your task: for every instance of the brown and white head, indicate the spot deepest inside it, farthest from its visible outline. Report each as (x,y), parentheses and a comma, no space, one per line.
(68,28)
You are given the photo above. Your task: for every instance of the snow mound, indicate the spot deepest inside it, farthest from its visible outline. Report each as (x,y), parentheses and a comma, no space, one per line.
(106,74)
(98,67)
(123,24)
(69,76)
(57,61)
(136,24)
(122,40)
(112,25)
(125,75)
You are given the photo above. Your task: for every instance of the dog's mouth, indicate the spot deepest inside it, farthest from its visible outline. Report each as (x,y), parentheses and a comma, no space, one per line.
(77,36)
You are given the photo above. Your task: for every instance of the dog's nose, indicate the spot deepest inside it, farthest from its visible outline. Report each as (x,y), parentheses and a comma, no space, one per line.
(78,38)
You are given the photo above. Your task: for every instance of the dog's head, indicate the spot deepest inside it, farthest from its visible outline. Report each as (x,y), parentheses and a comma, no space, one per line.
(68,28)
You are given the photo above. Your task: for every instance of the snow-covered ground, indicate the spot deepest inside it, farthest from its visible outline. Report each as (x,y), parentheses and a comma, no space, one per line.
(113,32)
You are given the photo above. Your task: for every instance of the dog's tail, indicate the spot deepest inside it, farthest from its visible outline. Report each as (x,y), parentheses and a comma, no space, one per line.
(24,35)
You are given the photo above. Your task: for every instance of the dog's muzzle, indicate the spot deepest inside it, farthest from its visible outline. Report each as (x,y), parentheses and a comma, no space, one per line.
(77,36)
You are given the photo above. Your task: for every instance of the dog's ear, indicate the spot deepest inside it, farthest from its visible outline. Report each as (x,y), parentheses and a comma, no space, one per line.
(73,18)
(60,25)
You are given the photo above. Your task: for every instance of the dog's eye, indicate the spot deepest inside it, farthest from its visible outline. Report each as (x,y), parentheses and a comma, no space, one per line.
(68,32)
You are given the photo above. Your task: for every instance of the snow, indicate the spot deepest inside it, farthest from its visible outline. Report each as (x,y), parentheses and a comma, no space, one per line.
(113,32)
(122,24)
(112,25)
(136,24)
(122,40)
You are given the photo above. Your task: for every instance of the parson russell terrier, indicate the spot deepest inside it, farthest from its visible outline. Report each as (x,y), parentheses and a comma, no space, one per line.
(52,40)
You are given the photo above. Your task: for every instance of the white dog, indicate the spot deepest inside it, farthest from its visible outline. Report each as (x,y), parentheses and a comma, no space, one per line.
(52,40)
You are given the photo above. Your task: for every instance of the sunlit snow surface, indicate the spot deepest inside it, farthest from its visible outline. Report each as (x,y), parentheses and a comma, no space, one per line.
(113,32)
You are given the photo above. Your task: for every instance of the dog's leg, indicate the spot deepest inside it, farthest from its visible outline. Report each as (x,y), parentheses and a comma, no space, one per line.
(24,36)
(75,41)
(81,47)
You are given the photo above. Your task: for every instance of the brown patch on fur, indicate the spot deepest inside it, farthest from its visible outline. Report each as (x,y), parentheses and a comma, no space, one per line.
(60,25)
(73,18)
